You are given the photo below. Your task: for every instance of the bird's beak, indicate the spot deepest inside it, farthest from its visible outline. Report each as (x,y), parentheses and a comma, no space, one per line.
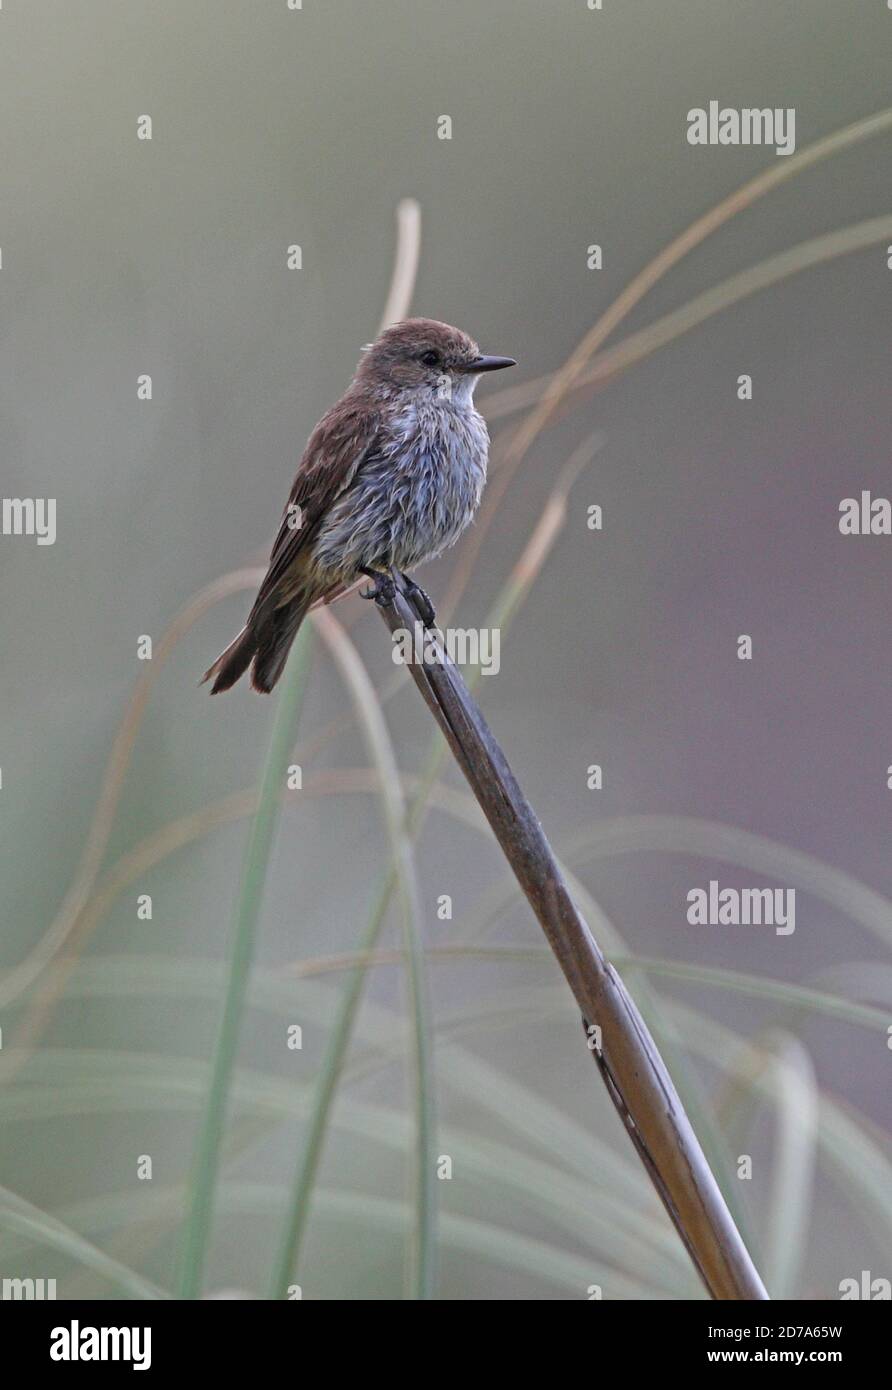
(487,364)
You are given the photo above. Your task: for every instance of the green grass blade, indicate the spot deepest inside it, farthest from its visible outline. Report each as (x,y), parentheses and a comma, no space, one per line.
(287,1264)
(207,1153)
(792,1186)
(375,1216)
(39,1226)
(422,1263)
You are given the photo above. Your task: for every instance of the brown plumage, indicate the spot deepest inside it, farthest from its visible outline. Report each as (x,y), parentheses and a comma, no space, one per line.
(289,587)
(391,474)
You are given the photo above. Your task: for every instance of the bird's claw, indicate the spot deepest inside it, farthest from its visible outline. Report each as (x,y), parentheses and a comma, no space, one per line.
(385,586)
(421,600)
(381,591)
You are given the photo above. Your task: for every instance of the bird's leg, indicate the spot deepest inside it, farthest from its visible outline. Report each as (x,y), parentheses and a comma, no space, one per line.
(416,595)
(382,587)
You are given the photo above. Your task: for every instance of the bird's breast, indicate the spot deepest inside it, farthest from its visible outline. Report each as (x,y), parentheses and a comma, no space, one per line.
(416,495)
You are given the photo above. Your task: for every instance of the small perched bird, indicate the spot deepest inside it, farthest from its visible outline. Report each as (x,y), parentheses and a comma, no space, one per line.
(391,476)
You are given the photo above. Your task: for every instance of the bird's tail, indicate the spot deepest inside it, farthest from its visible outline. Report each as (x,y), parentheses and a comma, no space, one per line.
(265,641)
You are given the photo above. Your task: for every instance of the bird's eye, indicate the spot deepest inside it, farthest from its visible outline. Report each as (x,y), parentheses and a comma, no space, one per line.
(430,359)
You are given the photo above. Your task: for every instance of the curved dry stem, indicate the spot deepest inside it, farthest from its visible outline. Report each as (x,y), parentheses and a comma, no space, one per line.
(531,560)
(208,1148)
(15,981)
(405,264)
(608,365)
(677,249)
(176,835)
(566,377)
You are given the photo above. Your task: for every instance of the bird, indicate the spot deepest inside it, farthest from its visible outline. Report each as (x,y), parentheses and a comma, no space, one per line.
(391,476)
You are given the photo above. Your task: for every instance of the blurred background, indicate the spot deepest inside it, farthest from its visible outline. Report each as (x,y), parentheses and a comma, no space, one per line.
(274,127)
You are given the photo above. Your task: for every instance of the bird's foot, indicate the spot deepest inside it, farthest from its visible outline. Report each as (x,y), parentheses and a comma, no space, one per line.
(415,594)
(381,590)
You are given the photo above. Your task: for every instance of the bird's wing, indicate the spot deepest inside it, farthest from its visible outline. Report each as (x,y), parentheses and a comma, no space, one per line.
(341,442)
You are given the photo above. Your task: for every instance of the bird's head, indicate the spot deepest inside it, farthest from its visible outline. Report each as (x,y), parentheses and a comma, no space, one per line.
(421,353)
